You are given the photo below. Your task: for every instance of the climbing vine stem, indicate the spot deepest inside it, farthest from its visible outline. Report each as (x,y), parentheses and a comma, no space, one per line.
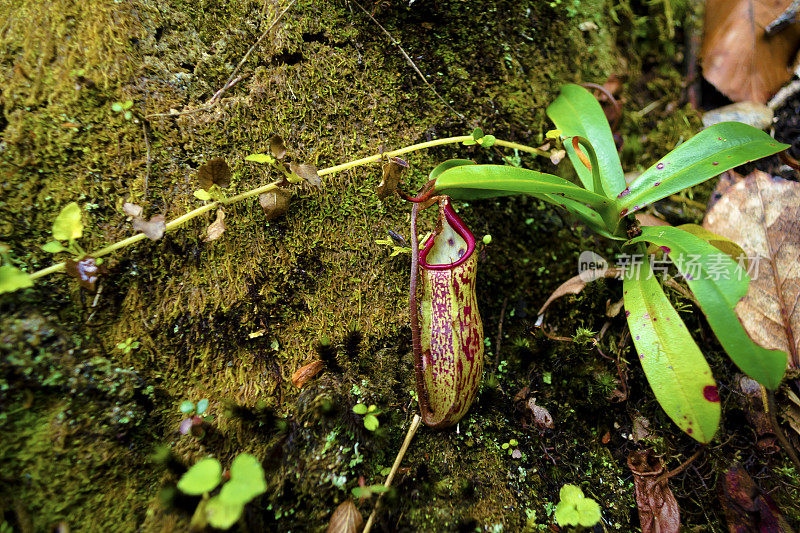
(268,187)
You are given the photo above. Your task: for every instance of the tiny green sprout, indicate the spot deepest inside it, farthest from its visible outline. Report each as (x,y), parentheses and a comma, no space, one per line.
(480,139)
(575,509)
(128,345)
(202,406)
(553,134)
(223,510)
(202,194)
(187,407)
(368,490)
(487,239)
(124,108)
(11,278)
(67,226)
(510,446)
(370,413)
(396,250)
(260,158)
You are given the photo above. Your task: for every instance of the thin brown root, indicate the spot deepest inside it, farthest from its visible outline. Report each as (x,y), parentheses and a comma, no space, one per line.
(768,398)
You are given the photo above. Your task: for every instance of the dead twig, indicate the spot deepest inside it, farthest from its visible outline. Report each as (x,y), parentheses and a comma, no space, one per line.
(147,144)
(666,475)
(409,60)
(233,79)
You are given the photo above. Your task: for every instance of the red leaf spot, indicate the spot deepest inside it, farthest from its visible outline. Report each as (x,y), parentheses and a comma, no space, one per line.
(711,393)
(665,249)
(660,166)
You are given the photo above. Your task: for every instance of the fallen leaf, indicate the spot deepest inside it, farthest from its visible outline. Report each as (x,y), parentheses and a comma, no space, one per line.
(214,172)
(275,202)
(762,214)
(345,519)
(541,416)
(752,113)
(306,373)
(153,228)
(392,171)
(753,407)
(658,509)
(307,173)
(277,147)
(641,427)
(746,507)
(557,155)
(86,271)
(132,210)
(737,57)
(217,228)
(578,283)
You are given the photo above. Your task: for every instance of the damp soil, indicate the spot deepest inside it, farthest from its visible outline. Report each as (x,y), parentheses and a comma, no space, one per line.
(91,384)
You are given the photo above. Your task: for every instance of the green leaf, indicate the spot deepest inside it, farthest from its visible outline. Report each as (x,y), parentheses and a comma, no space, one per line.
(570,493)
(202,477)
(447,165)
(469,142)
(247,469)
(718,283)
(488,141)
(470,182)
(719,242)
(222,514)
(678,374)
(68,225)
(378,489)
(371,422)
(714,150)
(240,492)
(260,158)
(566,514)
(12,279)
(477,134)
(116,107)
(202,194)
(360,409)
(202,406)
(128,104)
(577,113)
(361,492)
(186,407)
(54,247)
(588,511)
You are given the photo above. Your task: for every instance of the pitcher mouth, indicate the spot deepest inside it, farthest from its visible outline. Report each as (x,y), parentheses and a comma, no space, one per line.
(460,228)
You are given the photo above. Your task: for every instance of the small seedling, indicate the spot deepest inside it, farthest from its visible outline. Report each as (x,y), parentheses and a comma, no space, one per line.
(511,446)
(128,345)
(196,417)
(370,415)
(480,139)
(225,508)
(367,491)
(575,509)
(124,108)
(11,278)
(68,227)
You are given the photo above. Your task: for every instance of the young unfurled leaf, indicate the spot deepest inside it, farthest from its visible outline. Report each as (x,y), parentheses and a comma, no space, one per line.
(477,134)
(153,228)
(371,422)
(275,202)
(222,514)
(54,247)
(308,173)
(202,194)
(214,172)
(260,158)
(86,271)
(360,409)
(276,147)
(557,155)
(488,141)
(202,406)
(345,519)
(68,225)
(132,210)
(658,508)
(576,509)
(217,228)
(12,279)
(202,477)
(187,407)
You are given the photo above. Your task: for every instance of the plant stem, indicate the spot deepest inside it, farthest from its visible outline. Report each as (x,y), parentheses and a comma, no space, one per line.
(265,188)
(388,483)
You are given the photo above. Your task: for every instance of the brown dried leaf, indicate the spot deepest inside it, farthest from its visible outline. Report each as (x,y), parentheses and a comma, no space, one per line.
(306,373)
(541,416)
(578,283)
(214,172)
(762,215)
(276,147)
(646,219)
(153,228)
(132,210)
(86,271)
(346,519)
(217,228)
(746,507)
(557,155)
(737,57)
(658,509)
(613,308)
(307,173)
(753,407)
(392,171)
(275,202)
